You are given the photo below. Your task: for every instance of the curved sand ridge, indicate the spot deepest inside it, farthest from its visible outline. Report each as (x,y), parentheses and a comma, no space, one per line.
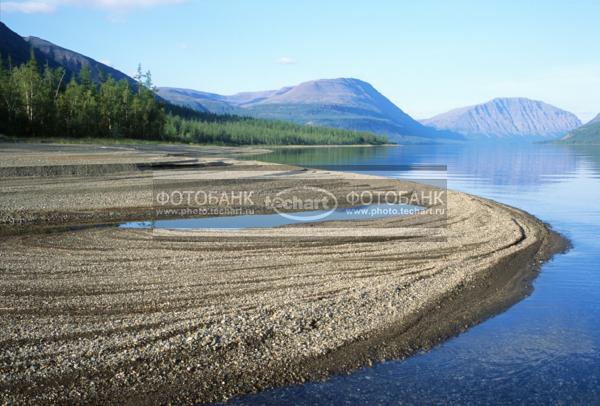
(106,314)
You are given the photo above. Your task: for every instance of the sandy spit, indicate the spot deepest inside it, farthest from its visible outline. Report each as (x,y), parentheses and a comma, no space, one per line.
(103,314)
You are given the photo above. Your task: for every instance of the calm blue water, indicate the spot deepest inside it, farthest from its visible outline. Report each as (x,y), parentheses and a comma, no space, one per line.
(545,349)
(373,211)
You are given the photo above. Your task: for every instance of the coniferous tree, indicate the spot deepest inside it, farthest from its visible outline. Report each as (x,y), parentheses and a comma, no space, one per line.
(109,108)
(4,80)
(9,98)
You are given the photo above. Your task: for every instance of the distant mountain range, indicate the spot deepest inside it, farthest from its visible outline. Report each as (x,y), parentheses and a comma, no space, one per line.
(586,134)
(340,103)
(19,48)
(507,118)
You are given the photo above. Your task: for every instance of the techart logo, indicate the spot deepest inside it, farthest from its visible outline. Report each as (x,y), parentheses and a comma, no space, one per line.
(304,203)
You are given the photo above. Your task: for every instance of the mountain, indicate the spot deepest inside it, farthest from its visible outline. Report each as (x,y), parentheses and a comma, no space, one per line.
(199,101)
(73,61)
(586,134)
(507,118)
(19,50)
(595,120)
(13,46)
(340,103)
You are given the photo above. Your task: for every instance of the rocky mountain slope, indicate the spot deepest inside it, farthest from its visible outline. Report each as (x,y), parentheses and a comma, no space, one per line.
(73,61)
(19,50)
(13,47)
(507,118)
(595,120)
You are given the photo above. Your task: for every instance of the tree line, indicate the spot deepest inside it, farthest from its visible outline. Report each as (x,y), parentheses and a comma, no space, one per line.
(39,101)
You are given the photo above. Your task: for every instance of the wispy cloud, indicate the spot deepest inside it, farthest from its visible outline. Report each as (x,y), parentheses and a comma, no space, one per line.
(28,7)
(183,45)
(113,6)
(286,60)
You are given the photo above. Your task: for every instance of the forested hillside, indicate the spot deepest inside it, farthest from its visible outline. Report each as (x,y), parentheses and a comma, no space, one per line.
(37,101)
(587,134)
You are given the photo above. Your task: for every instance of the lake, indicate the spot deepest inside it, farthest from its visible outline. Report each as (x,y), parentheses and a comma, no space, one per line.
(546,348)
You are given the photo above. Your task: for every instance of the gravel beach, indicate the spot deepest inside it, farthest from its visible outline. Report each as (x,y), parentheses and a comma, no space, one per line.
(93,313)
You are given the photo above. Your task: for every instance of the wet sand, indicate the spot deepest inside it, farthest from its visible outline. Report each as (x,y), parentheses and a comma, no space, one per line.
(102,314)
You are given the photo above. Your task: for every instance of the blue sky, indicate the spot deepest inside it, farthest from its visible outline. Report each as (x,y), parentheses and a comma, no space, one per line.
(426,56)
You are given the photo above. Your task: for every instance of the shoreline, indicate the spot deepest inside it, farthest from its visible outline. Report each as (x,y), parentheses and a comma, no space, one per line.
(116,142)
(487,296)
(183,318)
